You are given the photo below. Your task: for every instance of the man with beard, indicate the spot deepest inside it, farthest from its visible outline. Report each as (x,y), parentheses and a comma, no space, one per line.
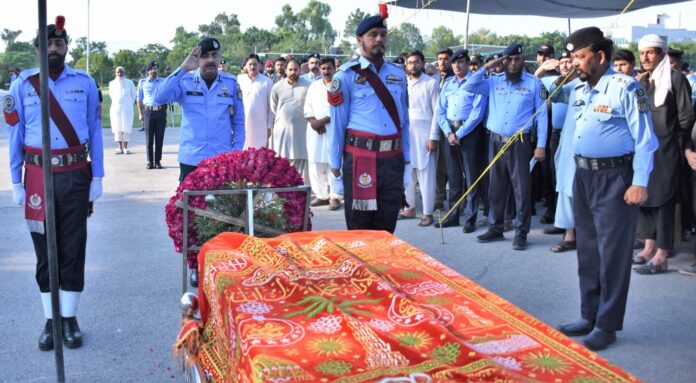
(514,98)
(122,92)
(289,133)
(369,113)
(613,145)
(76,137)
(422,108)
(211,103)
(669,96)
(313,73)
(153,115)
(460,116)
(256,91)
(319,131)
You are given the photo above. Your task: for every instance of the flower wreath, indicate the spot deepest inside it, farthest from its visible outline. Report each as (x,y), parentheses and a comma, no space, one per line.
(251,168)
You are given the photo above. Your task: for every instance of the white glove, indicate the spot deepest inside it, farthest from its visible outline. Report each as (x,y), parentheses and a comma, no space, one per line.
(18,194)
(95,189)
(336,184)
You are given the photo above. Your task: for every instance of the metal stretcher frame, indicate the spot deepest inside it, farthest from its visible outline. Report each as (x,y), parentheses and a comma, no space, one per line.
(248,214)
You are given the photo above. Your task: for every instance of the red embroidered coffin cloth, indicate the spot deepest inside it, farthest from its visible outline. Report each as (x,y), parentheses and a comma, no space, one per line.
(365,306)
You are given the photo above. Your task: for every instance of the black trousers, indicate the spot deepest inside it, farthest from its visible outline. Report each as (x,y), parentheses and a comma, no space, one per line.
(463,168)
(71,199)
(657,223)
(155,122)
(184,170)
(441,174)
(390,194)
(605,229)
(512,169)
(551,195)
(684,194)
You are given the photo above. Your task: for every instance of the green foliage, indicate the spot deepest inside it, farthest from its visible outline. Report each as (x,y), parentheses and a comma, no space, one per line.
(406,38)
(440,38)
(129,61)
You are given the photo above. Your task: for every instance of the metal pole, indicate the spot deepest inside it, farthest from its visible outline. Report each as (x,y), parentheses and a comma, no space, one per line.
(184,246)
(466,35)
(48,196)
(87,36)
(250,212)
(569,26)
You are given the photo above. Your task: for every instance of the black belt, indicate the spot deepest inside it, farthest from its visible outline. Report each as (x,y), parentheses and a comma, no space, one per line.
(155,108)
(603,163)
(456,123)
(373,144)
(57,160)
(498,138)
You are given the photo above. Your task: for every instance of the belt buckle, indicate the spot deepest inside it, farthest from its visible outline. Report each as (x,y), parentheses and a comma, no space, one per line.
(582,163)
(368,144)
(56,160)
(385,146)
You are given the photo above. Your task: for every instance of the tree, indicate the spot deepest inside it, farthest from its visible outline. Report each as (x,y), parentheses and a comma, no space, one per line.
(81,47)
(354,18)
(222,25)
(406,38)
(315,20)
(9,36)
(101,68)
(442,37)
(129,61)
(255,39)
(183,43)
(156,52)
(286,21)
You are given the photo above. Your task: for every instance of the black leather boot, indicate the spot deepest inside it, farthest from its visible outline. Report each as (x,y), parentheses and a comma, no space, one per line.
(46,337)
(72,336)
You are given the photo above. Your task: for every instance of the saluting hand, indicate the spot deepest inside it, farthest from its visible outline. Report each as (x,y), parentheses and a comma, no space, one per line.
(191,61)
(494,63)
(636,195)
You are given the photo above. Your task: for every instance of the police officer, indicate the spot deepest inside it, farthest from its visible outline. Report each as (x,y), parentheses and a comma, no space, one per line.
(369,112)
(153,115)
(460,117)
(613,144)
(75,137)
(211,103)
(514,97)
(313,66)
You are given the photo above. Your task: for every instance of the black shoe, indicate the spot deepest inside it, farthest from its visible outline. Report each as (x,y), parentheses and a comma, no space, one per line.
(150,165)
(448,223)
(158,165)
(46,337)
(141,130)
(579,328)
(72,336)
(553,230)
(193,278)
(469,227)
(520,242)
(490,236)
(599,339)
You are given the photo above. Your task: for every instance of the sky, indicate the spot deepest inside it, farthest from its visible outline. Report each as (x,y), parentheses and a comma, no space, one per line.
(131,24)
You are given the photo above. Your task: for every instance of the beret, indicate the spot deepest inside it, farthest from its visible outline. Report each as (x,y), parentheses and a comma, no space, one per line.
(209,44)
(151,65)
(477,59)
(583,37)
(492,57)
(565,54)
(460,54)
(513,49)
(546,49)
(54,31)
(314,55)
(371,22)
(398,60)
(672,52)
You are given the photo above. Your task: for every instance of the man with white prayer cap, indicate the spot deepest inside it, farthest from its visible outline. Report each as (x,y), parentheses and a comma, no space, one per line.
(669,98)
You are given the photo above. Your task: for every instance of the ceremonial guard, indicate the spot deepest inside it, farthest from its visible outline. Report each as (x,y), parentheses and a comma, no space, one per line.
(153,115)
(517,101)
(613,144)
(460,116)
(212,119)
(369,112)
(76,138)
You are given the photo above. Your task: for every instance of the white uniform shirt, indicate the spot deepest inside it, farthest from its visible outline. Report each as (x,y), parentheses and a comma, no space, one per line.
(256,95)
(317,106)
(422,109)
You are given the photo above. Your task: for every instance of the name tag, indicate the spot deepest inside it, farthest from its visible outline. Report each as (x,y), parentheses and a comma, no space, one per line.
(72,91)
(193,93)
(226,95)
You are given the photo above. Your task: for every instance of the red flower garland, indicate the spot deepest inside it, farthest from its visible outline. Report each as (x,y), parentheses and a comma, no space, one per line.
(253,168)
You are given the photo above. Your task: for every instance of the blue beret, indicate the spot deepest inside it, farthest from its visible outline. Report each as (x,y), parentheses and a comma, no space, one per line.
(151,65)
(209,44)
(565,54)
(314,55)
(583,37)
(460,54)
(371,22)
(513,49)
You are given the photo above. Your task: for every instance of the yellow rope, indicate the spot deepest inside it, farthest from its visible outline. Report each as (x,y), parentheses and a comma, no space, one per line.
(615,23)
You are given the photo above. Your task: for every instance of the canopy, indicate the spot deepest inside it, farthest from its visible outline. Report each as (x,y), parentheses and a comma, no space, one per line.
(551,8)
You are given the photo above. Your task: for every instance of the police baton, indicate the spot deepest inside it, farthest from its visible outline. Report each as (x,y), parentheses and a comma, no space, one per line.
(48,195)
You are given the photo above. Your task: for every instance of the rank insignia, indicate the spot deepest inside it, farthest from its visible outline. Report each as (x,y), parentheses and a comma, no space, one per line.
(360,79)
(393,77)
(8,109)
(643,106)
(335,98)
(640,92)
(224,88)
(335,84)
(601,108)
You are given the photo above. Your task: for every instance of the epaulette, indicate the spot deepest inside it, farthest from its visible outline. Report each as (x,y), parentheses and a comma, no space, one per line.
(25,74)
(348,65)
(623,80)
(227,75)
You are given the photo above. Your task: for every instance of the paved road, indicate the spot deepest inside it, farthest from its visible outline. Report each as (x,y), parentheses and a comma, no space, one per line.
(129,310)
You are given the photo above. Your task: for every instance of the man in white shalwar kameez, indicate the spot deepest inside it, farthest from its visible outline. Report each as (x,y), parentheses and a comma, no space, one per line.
(424,133)
(319,131)
(123,95)
(289,133)
(256,93)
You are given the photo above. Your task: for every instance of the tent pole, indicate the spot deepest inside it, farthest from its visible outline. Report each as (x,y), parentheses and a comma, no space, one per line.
(466,34)
(49,195)
(569,26)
